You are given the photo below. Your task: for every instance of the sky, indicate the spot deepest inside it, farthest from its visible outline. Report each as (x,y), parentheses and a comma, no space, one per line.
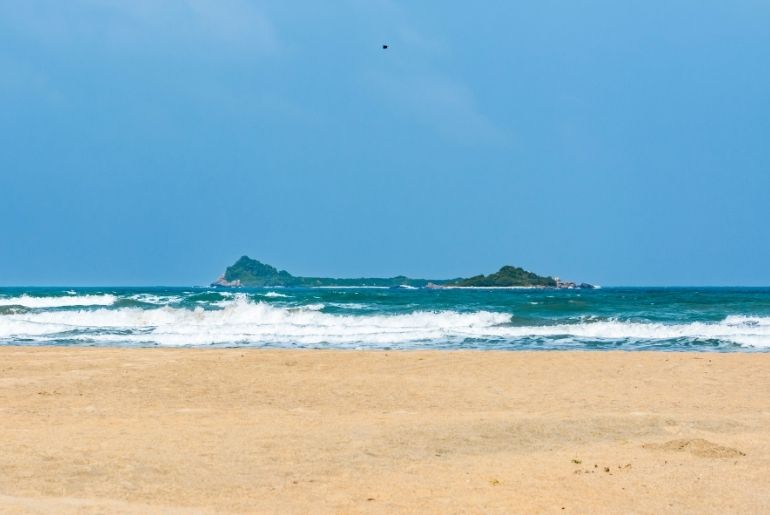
(153,142)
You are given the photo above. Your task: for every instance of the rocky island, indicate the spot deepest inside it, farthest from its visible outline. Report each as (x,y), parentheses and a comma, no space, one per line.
(247,272)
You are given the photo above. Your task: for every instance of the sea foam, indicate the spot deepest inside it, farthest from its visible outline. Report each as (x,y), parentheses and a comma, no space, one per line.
(29,301)
(242,321)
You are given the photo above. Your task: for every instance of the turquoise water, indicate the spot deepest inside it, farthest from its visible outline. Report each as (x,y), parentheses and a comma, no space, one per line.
(676,319)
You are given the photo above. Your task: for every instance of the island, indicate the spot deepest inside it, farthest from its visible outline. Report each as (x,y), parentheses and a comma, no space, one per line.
(251,273)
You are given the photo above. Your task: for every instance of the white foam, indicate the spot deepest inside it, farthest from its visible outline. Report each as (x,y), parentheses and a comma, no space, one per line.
(29,301)
(350,305)
(231,297)
(275,295)
(242,321)
(749,333)
(155,299)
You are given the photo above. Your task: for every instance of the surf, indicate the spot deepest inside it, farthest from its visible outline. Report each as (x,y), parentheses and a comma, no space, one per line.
(242,320)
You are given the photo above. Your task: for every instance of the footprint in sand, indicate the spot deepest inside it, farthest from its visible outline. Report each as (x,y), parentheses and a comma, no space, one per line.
(697,447)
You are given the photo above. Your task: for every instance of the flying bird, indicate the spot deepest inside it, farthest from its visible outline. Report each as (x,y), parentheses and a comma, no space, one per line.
(384,47)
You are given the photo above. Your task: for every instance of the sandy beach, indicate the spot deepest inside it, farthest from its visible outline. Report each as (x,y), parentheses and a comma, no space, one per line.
(240,431)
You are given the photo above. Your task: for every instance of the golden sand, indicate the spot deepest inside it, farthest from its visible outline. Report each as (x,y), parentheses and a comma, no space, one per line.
(254,431)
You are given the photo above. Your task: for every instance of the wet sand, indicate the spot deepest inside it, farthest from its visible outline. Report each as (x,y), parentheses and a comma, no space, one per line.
(243,431)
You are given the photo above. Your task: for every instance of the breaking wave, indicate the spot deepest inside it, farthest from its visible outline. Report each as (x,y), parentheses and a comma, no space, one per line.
(29,301)
(275,295)
(242,321)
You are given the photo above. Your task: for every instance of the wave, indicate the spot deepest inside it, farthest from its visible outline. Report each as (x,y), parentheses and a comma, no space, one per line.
(746,331)
(275,295)
(246,322)
(242,321)
(148,298)
(350,305)
(212,297)
(29,301)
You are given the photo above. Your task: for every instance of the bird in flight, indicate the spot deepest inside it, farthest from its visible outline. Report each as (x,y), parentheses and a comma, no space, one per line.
(384,47)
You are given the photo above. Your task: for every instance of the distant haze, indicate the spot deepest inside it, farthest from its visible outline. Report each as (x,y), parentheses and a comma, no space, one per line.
(149,142)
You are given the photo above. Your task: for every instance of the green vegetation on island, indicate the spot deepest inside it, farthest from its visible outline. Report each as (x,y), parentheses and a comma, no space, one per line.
(249,272)
(507,276)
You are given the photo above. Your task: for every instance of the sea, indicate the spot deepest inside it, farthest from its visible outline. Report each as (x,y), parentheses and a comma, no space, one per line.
(632,319)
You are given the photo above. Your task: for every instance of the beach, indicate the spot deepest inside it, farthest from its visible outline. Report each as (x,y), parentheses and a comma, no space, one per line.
(118,430)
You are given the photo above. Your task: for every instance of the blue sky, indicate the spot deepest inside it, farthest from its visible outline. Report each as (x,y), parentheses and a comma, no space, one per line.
(154,142)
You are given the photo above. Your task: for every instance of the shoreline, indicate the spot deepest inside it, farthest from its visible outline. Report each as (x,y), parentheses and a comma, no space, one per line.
(395,349)
(200,430)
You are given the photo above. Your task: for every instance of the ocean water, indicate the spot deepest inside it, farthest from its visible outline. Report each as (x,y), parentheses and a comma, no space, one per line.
(672,319)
